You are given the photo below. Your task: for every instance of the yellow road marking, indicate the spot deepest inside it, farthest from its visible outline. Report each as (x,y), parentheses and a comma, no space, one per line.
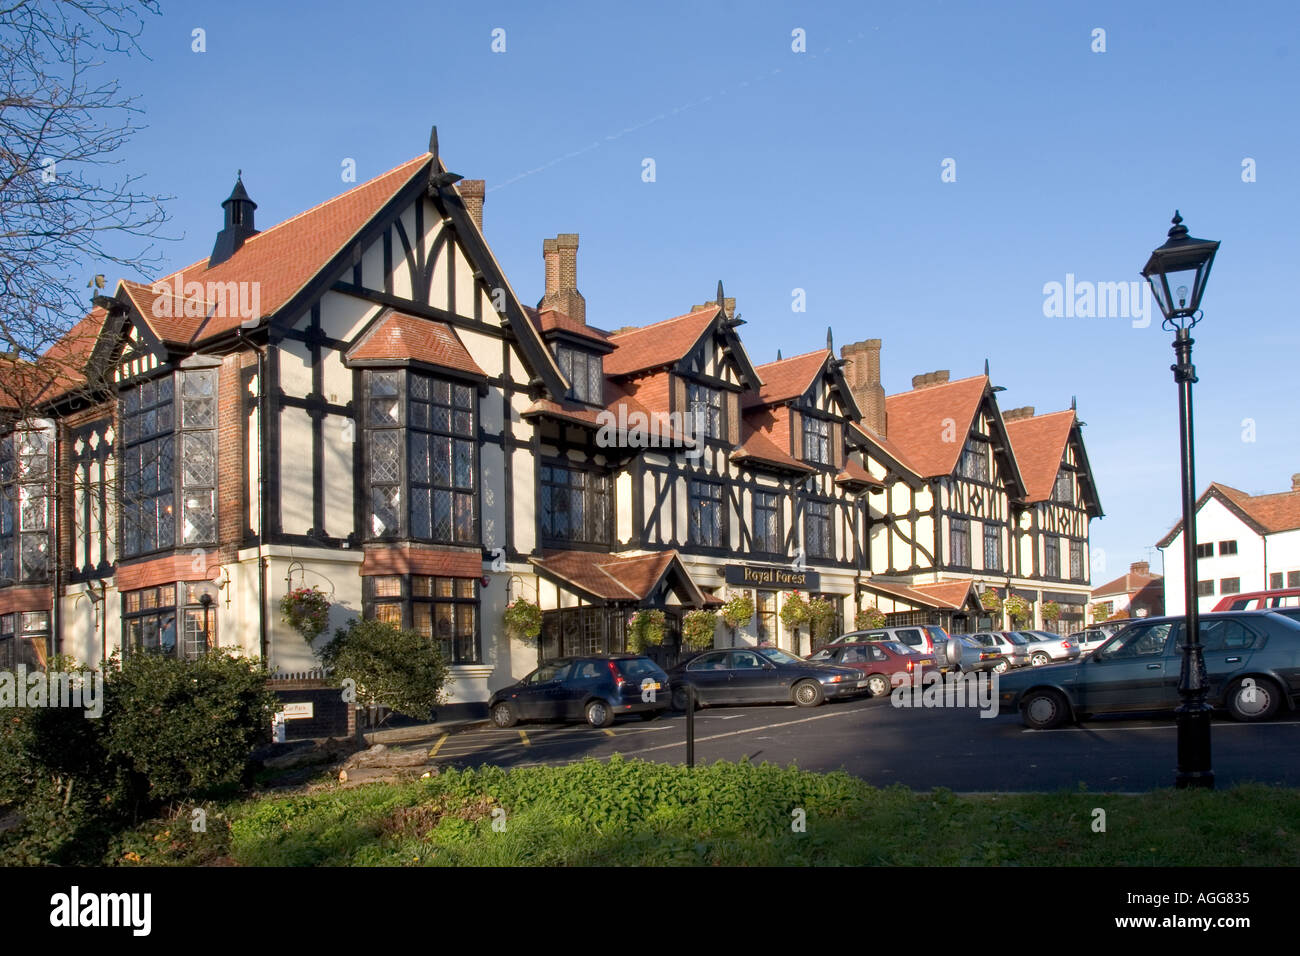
(438,746)
(609,732)
(524,737)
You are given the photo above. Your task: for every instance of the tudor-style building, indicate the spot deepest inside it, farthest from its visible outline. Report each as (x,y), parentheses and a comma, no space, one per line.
(982,501)
(357,400)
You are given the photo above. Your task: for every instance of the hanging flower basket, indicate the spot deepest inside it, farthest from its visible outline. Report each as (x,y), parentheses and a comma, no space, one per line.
(307,611)
(1018,608)
(698,628)
(739,609)
(868,618)
(990,601)
(523,619)
(1051,611)
(794,611)
(821,618)
(645,629)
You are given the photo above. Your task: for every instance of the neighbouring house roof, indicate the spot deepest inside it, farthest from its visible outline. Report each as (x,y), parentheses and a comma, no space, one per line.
(787,379)
(1039,446)
(398,337)
(610,577)
(1126,583)
(919,419)
(662,343)
(1264,514)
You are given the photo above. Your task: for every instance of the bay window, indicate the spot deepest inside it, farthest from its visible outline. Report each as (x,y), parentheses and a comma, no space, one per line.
(444,609)
(25,476)
(420,458)
(585,371)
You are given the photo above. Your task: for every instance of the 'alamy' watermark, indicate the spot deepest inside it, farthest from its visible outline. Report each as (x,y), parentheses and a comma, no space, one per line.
(637,429)
(176,298)
(1075,299)
(968,689)
(40,689)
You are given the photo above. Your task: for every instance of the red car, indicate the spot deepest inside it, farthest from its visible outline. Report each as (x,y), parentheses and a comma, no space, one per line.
(879,660)
(1260,600)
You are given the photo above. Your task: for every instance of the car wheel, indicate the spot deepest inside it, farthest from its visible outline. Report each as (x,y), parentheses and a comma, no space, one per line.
(504,715)
(599,713)
(1001,667)
(808,693)
(1044,709)
(1257,702)
(681,700)
(1039,659)
(878,684)
(649,714)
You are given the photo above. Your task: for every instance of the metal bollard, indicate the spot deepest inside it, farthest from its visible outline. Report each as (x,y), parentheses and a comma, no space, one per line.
(690,725)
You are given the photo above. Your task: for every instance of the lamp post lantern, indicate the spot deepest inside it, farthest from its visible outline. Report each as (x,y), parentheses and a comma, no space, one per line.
(1184,262)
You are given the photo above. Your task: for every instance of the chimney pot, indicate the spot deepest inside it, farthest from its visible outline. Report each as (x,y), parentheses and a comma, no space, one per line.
(864,382)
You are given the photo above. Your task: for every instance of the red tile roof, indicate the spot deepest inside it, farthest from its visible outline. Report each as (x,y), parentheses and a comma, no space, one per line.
(549,320)
(757,445)
(60,370)
(787,379)
(381,559)
(285,257)
(662,343)
(398,336)
(855,473)
(613,577)
(1274,512)
(1039,445)
(619,403)
(954,594)
(1126,583)
(917,422)
(936,596)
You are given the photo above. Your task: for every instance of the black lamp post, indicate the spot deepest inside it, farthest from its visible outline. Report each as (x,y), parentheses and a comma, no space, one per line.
(1184,262)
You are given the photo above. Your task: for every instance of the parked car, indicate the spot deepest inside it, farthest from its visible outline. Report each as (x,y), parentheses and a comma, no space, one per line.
(976,657)
(1259,600)
(879,660)
(1045,647)
(595,689)
(761,675)
(1013,647)
(1091,638)
(926,639)
(1137,670)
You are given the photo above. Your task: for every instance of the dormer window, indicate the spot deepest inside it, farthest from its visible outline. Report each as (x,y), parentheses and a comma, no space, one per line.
(704,406)
(1063,492)
(816,440)
(974,463)
(585,371)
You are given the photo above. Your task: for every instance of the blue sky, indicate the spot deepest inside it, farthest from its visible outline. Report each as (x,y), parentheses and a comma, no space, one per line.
(777,170)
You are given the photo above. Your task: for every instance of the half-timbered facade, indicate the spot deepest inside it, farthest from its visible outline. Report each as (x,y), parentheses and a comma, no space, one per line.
(357,400)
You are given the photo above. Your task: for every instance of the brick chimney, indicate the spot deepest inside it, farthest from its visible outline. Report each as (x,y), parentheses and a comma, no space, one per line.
(472,192)
(862,372)
(561,257)
(1015,414)
(728,306)
(930,378)
(1295,482)
(1140,567)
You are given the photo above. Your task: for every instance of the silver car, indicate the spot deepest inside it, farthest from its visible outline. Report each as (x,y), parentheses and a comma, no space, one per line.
(1045,647)
(1013,647)
(1091,638)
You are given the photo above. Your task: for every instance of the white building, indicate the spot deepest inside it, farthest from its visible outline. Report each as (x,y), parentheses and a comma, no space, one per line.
(1243,542)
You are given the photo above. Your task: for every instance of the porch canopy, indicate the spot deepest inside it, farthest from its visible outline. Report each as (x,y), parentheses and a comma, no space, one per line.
(633,579)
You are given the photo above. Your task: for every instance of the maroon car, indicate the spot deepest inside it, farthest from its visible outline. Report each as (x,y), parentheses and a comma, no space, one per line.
(879,660)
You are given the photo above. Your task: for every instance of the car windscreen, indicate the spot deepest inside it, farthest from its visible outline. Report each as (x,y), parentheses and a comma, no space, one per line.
(1017,639)
(937,634)
(896,647)
(779,656)
(637,667)
(822,655)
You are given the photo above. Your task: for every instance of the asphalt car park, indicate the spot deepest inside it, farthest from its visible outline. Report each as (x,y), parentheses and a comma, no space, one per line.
(920,748)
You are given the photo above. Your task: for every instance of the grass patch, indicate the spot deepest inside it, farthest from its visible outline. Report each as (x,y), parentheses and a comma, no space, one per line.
(632,812)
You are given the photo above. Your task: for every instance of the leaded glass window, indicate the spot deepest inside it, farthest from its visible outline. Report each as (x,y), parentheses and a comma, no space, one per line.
(574,507)
(816,440)
(817,529)
(767,523)
(704,405)
(584,370)
(706,528)
(25,504)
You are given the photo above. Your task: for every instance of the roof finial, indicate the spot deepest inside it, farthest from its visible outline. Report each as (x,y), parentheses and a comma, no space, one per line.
(830,343)
(986,368)
(1074,403)
(1179,231)
(239,174)
(721,301)
(778,355)
(433,140)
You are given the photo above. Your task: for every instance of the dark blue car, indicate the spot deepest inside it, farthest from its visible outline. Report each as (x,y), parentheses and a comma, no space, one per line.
(595,689)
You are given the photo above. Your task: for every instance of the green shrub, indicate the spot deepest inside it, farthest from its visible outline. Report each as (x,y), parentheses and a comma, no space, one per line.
(397,668)
(187,727)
